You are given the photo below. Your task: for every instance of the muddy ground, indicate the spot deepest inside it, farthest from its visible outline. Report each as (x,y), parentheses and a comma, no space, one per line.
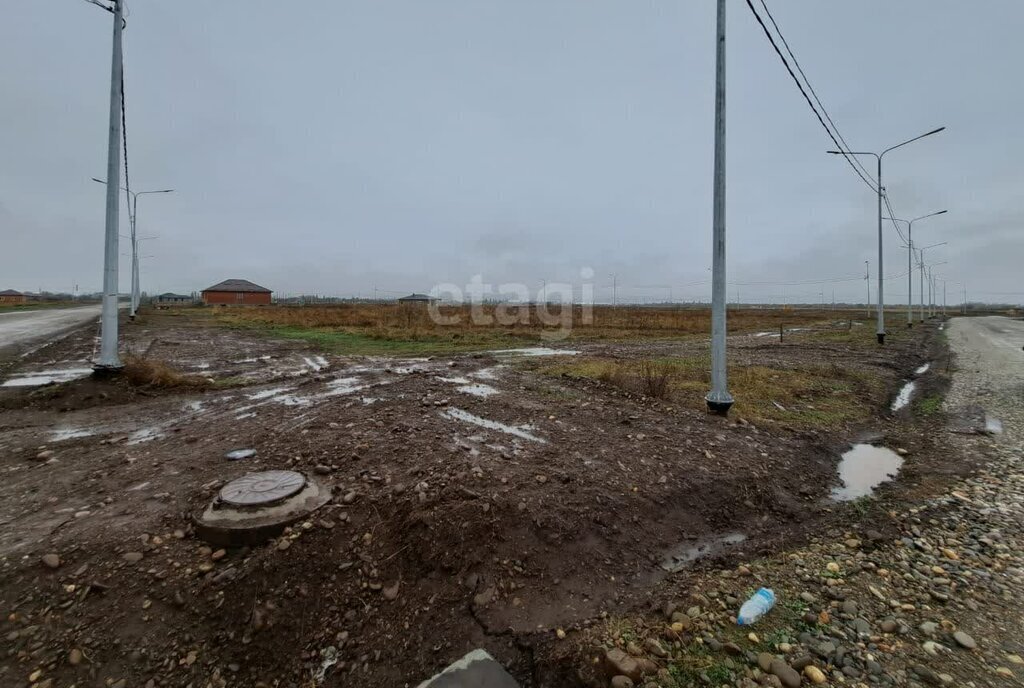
(477,503)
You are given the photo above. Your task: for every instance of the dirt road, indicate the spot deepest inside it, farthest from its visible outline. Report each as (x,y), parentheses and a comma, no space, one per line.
(19,328)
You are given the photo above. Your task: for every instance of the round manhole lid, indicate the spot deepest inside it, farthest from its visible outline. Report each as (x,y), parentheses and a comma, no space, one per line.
(256,489)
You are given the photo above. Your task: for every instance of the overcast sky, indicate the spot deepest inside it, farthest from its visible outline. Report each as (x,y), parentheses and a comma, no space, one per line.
(334,147)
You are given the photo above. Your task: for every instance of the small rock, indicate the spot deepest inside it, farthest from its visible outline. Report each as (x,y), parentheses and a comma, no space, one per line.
(621,681)
(284,544)
(890,626)
(1004,672)
(927,675)
(850,607)
(929,628)
(349,497)
(391,592)
(75,657)
(831,567)
(321,469)
(654,647)
(485,597)
(132,557)
(814,674)
(621,664)
(787,674)
(44,455)
(964,640)
(808,598)
(219,554)
(764,660)
(51,560)
(802,662)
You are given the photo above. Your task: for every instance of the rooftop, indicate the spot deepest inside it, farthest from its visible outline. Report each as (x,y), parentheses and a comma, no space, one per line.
(238,285)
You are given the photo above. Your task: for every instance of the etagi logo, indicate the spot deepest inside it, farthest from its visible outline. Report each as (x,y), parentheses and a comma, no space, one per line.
(553,306)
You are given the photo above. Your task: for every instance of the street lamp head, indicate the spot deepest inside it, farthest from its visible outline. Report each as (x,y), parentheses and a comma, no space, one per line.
(935,131)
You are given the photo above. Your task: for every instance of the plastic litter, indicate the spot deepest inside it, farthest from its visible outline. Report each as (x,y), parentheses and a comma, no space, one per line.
(759,604)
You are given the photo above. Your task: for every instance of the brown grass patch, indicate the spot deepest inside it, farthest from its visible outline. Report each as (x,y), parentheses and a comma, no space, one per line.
(146,372)
(804,395)
(394,322)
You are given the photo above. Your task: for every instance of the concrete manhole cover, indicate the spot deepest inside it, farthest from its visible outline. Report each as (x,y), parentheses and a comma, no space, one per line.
(258,506)
(257,489)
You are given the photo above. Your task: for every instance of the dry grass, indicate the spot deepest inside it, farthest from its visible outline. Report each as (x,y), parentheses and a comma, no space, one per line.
(146,372)
(366,326)
(808,395)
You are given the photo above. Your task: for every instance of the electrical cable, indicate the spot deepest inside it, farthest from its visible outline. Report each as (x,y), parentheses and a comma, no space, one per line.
(845,153)
(811,87)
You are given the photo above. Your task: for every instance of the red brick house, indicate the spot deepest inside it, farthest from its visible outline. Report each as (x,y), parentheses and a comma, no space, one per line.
(11,296)
(236,292)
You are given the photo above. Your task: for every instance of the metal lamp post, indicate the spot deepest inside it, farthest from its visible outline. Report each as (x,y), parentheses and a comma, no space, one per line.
(920,255)
(718,399)
(880,329)
(910,261)
(134,306)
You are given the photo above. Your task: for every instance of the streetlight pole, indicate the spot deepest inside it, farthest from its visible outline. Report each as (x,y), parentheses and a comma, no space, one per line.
(910,263)
(880,329)
(867,281)
(108,361)
(920,253)
(718,399)
(133,213)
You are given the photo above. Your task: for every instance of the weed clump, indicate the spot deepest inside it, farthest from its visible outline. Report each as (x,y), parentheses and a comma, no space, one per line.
(146,372)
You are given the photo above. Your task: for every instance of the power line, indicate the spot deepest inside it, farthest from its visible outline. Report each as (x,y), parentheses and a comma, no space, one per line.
(810,86)
(842,149)
(124,140)
(892,216)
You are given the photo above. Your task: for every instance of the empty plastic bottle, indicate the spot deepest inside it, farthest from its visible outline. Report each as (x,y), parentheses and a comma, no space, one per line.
(757,606)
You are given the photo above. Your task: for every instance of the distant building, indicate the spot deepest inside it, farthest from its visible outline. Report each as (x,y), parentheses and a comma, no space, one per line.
(169,299)
(11,296)
(236,292)
(416,298)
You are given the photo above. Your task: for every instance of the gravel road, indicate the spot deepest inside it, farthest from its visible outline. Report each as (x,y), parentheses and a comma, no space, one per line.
(22,327)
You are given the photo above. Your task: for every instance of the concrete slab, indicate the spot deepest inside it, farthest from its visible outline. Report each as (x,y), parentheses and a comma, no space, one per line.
(476,670)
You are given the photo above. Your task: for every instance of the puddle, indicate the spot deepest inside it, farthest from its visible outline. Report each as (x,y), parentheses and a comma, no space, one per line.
(343,385)
(478,389)
(535,351)
(62,434)
(903,398)
(316,363)
(766,334)
(993,426)
(465,416)
(144,435)
(47,377)
(267,393)
(921,370)
(687,553)
(863,468)
(487,373)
